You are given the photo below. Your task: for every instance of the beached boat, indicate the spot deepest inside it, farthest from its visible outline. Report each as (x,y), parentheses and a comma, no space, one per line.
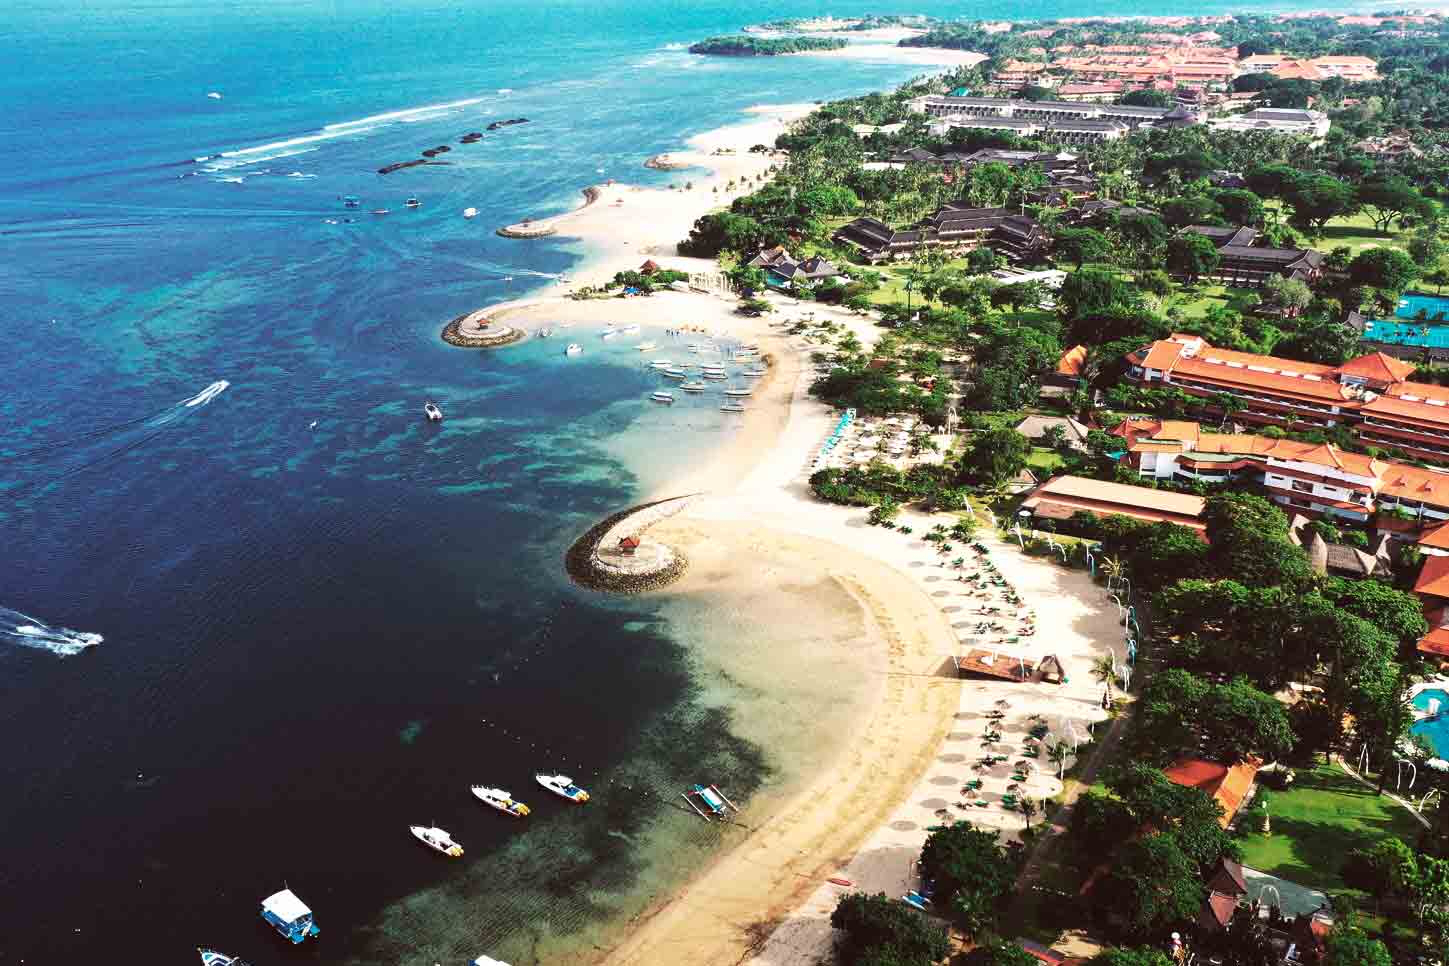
(563,786)
(647,346)
(573,349)
(431,410)
(413,203)
(734,391)
(437,839)
(662,396)
(289,916)
(210,957)
(501,800)
(470,212)
(732,407)
(693,385)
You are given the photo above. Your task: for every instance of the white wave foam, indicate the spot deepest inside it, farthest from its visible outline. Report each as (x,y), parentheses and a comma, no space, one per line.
(226,162)
(299,174)
(399,115)
(505,90)
(676,46)
(30,632)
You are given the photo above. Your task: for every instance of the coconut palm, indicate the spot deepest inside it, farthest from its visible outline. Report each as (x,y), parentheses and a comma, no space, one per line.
(1104,669)
(1111,568)
(1057,755)
(1028,809)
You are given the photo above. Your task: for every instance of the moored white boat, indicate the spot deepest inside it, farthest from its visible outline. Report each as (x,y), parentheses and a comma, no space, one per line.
(732,407)
(647,346)
(662,397)
(573,349)
(756,373)
(661,364)
(674,373)
(714,374)
(470,212)
(733,391)
(289,916)
(501,800)
(630,330)
(693,386)
(431,410)
(210,957)
(437,840)
(563,786)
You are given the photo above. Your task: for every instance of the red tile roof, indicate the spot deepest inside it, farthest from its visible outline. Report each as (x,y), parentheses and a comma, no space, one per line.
(1435,642)
(1437,538)
(1378,367)
(1225,784)
(1433,578)
(1071,362)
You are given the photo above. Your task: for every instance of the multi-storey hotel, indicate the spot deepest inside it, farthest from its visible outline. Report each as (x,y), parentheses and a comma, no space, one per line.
(1371,393)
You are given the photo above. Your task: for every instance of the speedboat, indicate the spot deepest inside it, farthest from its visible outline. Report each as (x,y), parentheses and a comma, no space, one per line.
(437,840)
(470,212)
(693,385)
(647,346)
(501,800)
(413,203)
(738,392)
(563,786)
(662,397)
(573,349)
(289,916)
(210,957)
(431,410)
(379,211)
(732,407)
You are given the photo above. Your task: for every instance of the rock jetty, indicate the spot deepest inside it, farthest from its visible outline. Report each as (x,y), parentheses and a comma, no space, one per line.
(529,228)
(616,555)
(477,331)
(665,162)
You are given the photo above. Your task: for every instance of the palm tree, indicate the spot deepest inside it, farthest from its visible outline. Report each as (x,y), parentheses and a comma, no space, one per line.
(1111,568)
(1028,809)
(1104,669)
(1057,754)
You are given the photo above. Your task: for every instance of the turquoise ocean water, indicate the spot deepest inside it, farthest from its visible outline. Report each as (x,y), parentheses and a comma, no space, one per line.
(323,618)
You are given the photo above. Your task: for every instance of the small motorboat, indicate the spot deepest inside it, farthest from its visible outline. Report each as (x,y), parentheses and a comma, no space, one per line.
(661,364)
(431,410)
(647,346)
(713,374)
(756,373)
(544,333)
(562,785)
(662,396)
(352,201)
(501,800)
(210,957)
(437,840)
(693,385)
(732,407)
(470,212)
(738,392)
(289,916)
(413,203)
(573,349)
(673,373)
(487,961)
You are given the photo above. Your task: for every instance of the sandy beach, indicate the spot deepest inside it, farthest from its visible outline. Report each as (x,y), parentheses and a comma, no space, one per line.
(862,810)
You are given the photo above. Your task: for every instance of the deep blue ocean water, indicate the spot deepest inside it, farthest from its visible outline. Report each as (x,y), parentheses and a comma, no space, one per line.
(306,625)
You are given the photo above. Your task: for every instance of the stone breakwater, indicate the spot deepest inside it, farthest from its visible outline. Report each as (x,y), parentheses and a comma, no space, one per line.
(665,162)
(477,331)
(596,561)
(529,228)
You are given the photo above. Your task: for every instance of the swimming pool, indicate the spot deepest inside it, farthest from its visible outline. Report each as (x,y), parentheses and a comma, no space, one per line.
(1407,327)
(1435,730)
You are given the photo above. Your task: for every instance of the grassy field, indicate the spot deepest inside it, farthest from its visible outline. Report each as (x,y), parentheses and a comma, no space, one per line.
(1356,232)
(1322,817)
(1043,460)
(1194,304)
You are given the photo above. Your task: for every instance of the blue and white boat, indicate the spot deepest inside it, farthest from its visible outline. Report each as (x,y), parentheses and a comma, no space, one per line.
(289,916)
(210,957)
(562,785)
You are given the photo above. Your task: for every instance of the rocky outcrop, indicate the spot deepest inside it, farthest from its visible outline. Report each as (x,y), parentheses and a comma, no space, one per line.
(476,331)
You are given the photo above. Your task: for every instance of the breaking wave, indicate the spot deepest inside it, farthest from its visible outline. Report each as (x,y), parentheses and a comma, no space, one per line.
(18,628)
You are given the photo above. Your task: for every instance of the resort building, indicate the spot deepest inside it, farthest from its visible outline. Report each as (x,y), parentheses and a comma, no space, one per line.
(1041,113)
(1371,393)
(1314,479)
(1078,131)
(1316,69)
(955,227)
(1062,496)
(1228,785)
(1275,120)
(782,269)
(1245,264)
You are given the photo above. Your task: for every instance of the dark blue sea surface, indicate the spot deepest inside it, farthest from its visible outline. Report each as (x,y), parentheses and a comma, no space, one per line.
(324,618)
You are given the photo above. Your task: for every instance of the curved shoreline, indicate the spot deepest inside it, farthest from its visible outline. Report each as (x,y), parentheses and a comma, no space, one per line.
(543,227)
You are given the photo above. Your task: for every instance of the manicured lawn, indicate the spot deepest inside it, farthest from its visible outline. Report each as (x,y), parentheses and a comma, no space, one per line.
(1043,460)
(1322,817)
(1195,303)
(1356,232)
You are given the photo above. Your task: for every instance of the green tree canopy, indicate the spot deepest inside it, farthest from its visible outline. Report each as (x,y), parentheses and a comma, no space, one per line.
(1385,268)
(971,873)
(879,930)
(1316,198)
(1192,255)
(995,456)
(1082,245)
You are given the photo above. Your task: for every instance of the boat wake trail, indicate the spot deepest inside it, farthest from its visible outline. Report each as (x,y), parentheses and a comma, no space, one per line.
(155,420)
(17,628)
